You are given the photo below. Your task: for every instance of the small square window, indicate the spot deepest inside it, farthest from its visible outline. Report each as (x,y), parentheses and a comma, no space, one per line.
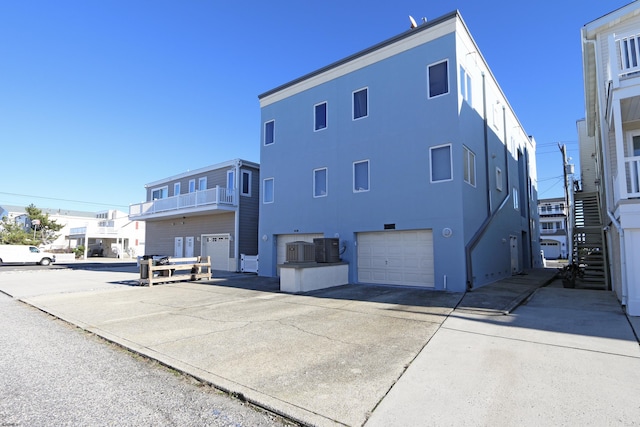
(320,178)
(269,132)
(441,163)
(320,116)
(438,79)
(469,162)
(498,179)
(361,176)
(268,190)
(360,103)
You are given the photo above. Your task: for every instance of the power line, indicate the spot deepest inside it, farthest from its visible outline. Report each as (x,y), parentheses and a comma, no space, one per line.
(64,200)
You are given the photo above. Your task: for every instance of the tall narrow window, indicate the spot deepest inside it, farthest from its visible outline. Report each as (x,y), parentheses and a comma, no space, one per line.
(320,182)
(516,200)
(202,183)
(267,190)
(499,180)
(361,176)
(441,163)
(246,183)
(269,132)
(360,103)
(192,185)
(469,163)
(438,79)
(231,180)
(176,188)
(465,86)
(320,116)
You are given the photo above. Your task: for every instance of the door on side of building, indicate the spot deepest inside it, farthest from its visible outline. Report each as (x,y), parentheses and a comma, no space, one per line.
(188,249)
(515,255)
(216,246)
(178,247)
(396,258)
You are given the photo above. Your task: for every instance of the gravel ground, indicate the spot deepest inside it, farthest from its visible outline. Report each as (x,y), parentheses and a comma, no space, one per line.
(52,373)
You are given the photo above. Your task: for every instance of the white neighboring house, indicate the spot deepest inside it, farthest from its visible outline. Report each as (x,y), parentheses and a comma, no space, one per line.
(110,230)
(611,138)
(553,227)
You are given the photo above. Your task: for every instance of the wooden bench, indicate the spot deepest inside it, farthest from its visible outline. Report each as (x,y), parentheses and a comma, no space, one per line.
(198,267)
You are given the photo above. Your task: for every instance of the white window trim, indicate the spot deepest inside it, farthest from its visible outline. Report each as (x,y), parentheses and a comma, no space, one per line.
(264,184)
(165,188)
(448,80)
(202,183)
(431,163)
(353,187)
(326,182)
(192,185)
(176,189)
(498,179)
(326,117)
(470,154)
(265,132)
(353,105)
(249,178)
(231,179)
(466,90)
(516,201)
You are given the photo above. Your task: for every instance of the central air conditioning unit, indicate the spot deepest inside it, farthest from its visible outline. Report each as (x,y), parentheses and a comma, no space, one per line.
(327,249)
(300,251)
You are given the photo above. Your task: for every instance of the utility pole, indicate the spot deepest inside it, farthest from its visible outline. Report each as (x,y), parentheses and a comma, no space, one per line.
(565,165)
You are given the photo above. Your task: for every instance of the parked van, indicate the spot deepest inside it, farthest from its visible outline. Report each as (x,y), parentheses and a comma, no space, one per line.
(25,254)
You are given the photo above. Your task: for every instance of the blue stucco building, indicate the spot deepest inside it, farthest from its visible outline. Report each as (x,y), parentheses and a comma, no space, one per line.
(411,155)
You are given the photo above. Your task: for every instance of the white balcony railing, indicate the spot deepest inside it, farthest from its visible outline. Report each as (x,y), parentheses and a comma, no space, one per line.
(93,230)
(210,197)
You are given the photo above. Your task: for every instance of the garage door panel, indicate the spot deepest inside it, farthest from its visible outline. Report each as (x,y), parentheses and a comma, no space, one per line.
(396,257)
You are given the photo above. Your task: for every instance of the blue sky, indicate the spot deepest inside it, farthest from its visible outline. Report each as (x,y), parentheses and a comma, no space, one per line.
(98,98)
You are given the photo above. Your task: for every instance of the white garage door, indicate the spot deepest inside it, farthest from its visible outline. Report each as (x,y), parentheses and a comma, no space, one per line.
(396,258)
(283,239)
(551,249)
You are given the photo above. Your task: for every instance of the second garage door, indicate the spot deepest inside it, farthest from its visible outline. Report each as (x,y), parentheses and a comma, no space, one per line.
(396,258)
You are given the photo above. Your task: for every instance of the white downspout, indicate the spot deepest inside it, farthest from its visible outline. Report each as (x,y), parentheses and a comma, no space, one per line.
(623,253)
(236,197)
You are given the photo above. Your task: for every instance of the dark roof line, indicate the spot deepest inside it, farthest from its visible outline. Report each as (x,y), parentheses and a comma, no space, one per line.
(390,41)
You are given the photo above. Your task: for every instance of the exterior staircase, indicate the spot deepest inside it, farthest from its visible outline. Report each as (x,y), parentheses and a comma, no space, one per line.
(588,241)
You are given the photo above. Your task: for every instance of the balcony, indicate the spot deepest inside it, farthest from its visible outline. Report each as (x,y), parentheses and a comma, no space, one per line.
(211,199)
(629,188)
(93,230)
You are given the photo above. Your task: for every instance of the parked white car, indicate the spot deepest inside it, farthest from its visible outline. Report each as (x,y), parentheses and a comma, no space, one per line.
(24,254)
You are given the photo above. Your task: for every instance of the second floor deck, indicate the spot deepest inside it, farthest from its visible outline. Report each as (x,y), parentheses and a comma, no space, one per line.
(197,201)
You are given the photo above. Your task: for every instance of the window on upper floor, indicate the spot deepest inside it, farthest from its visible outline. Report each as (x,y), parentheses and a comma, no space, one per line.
(269,132)
(438,78)
(361,176)
(176,189)
(465,86)
(469,164)
(202,183)
(320,116)
(320,179)
(268,189)
(360,103)
(231,179)
(192,185)
(516,199)
(246,183)
(160,193)
(441,165)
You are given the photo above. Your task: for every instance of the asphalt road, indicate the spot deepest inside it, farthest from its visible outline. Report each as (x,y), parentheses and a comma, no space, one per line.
(54,374)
